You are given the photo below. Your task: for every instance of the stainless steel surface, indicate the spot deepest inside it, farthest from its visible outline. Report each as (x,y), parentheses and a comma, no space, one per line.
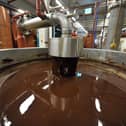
(54,18)
(35,23)
(65,23)
(65,47)
(61,47)
(116,58)
(10,57)
(47,4)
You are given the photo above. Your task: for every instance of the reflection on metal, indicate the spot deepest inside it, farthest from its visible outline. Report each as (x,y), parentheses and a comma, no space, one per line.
(97,105)
(63,21)
(65,47)
(80,29)
(26,104)
(35,23)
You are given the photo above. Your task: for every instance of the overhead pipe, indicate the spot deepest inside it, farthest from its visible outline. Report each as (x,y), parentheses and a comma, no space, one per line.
(64,22)
(38,8)
(52,8)
(43,2)
(35,23)
(62,46)
(40,13)
(22,14)
(55,18)
(47,4)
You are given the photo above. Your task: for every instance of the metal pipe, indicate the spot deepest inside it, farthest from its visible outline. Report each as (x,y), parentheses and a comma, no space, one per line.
(35,23)
(65,23)
(59,47)
(38,10)
(22,14)
(45,7)
(55,18)
(47,4)
(40,13)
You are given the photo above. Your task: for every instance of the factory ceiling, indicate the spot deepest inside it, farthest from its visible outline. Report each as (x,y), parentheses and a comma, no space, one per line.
(30,4)
(86,20)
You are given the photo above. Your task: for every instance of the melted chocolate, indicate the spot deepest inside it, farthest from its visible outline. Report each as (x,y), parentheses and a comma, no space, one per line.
(33,96)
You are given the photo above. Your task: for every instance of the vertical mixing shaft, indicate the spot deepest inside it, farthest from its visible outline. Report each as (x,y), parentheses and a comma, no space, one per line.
(64,49)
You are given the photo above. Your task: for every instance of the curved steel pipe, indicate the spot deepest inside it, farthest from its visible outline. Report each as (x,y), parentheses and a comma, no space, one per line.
(55,18)
(35,23)
(65,23)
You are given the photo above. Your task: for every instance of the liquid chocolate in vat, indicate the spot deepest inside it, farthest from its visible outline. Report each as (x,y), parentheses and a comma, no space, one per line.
(33,96)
